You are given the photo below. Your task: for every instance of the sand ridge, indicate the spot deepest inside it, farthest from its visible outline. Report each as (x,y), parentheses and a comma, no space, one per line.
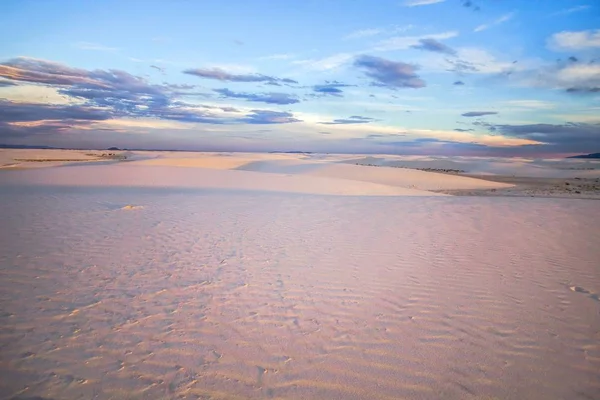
(122,175)
(298,173)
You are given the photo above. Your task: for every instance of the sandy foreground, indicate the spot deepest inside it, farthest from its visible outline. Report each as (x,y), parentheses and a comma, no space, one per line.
(205,276)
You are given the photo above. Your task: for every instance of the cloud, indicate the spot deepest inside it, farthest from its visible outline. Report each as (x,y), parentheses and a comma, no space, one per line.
(24,112)
(478,113)
(568,137)
(269,117)
(575,40)
(429,44)
(112,96)
(94,46)
(326,63)
(574,78)
(159,69)
(363,33)
(270,98)
(390,74)
(222,75)
(415,3)
(459,83)
(7,83)
(501,20)
(461,66)
(571,10)
(355,119)
(470,4)
(406,42)
(40,71)
(463,130)
(124,93)
(531,104)
(473,60)
(331,88)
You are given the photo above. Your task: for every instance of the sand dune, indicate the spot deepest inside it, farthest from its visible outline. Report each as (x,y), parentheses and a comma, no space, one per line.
(253,295)
(124,175)
(407,178)
(552,168)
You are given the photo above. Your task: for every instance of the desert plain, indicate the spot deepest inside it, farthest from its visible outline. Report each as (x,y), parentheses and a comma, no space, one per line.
(181,275)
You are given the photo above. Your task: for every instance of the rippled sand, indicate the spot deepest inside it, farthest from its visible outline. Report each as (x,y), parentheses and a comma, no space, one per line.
(122,293)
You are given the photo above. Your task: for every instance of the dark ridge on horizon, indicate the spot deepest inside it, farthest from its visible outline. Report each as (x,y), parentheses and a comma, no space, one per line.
(591,155)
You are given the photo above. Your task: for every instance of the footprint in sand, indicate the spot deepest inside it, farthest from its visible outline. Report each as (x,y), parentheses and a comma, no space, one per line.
(579,289)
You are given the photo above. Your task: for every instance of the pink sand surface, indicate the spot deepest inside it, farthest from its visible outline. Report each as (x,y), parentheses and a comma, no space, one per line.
(159,293)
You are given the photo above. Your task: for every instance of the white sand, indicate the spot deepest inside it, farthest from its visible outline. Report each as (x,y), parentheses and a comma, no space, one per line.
(552,168)
(408,178)
(155,293)
(124,175)
(296,173)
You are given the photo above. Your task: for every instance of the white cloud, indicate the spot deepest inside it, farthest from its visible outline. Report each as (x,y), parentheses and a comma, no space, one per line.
(501,20)
(569,40)
(363,33)
(571,10)
(327,63)
(531,104)
(575,77)
(31,93)
(577,74)
(415,3)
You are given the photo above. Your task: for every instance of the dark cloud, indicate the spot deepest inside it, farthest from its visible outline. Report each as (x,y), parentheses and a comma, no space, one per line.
(479,113)
(270,98)
(568,137)
(583,90)
(269,117)
(458,83)
(461,66)
(463,130)
(573,59)
(355,119)
(45,119)
(389,74)
(7,83)
(41,129)
(41,71)
(109,94)
(222,75)
(331,88)
(159,69)
(23,112)
(175,86)
(433,45)
(470,4)
(125,94)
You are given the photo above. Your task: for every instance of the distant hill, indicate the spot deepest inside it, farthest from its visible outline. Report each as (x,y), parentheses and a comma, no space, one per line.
(592,155)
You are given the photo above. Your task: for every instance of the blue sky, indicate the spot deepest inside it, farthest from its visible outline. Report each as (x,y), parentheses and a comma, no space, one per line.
(479,77)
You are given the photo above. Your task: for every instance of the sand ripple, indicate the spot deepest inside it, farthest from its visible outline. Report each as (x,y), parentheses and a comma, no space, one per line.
(254,296)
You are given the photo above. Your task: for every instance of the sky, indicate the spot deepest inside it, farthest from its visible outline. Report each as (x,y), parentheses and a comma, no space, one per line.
(428,77)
